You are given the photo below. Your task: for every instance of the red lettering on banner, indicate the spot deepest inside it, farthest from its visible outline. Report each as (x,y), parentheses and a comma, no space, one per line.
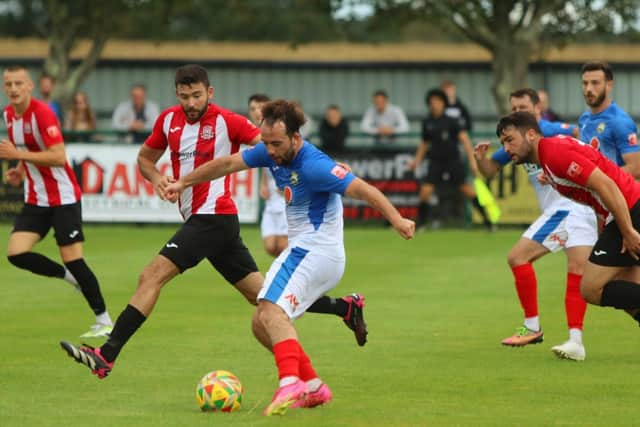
(147,186)
(119,181)
(92,177)
(242,179)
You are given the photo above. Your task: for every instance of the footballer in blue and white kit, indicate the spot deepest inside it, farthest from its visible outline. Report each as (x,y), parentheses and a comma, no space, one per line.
(314,261)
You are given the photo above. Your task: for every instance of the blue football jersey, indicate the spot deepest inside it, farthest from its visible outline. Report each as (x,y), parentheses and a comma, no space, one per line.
(313,185)
(611,131)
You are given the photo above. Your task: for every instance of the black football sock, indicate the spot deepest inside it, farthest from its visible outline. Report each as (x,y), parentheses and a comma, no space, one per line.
(621,294)
(481,210)
(424,209)
(37,264)
(328,305)
(88,284)
(127,324)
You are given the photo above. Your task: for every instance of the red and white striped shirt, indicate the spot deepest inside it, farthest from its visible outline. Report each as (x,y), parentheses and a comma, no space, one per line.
(219,132)
(569,163)
(37,130)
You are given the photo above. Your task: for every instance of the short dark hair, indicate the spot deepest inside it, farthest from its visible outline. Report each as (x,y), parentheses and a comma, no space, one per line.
(258,97)
(332,107)
(15,67)
(527,91)
(381,92)
(599,66)
(285,111)
(521,120)
(139,85)
(190,74)
(438,93)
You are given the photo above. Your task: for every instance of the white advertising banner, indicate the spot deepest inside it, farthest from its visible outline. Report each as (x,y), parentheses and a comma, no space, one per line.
(114,190)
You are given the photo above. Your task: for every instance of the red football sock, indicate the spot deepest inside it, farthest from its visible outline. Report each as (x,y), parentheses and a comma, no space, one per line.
(574,304)
(306,370)
(287,354)
(527,288)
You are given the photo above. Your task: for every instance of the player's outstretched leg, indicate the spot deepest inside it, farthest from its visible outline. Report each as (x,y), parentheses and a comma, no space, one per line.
(350,308)
(90,357)
(318,392)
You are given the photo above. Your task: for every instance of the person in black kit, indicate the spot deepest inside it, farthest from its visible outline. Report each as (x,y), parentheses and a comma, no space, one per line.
(456,109)
(333,130)
(440,137)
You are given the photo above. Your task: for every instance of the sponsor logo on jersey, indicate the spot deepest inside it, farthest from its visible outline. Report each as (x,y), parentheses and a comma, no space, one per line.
(633,139)
(207,132)
(294,178)
(574,169)
(601,127)
(288,195)
(53,131)
(595,143)
(339,171)
(565,125)
(27,128)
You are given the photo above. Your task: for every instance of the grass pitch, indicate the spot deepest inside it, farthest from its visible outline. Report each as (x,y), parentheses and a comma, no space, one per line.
(437,308)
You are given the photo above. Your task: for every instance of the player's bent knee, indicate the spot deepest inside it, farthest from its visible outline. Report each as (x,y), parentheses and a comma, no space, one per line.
(591,292)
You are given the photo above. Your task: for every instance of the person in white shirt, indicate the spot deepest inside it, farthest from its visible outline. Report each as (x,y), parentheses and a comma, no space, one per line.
(136,115)
(384,120)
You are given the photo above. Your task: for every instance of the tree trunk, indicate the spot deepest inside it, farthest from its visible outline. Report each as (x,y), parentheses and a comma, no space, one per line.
(510,65)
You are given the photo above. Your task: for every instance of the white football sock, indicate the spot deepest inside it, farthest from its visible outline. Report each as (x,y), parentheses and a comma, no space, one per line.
(104,319)
(287,380)
(532,323)
(314,384)
(575,335)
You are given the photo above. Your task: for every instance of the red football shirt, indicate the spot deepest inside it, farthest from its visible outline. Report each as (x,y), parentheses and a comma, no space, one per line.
(36,130)
(219,132)
(569,163)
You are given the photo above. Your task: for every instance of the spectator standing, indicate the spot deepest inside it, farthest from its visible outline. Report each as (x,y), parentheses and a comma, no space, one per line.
(333,130)
(547,113)
(46,85)
(384,120)
(455,108)
(136,115)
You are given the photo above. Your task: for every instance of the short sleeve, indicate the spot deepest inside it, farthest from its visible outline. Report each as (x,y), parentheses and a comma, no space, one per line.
(501,157)
(426,134)
(565,163)
(240,129)
(49,127)
(257,156)
(625,135)
(157,139)
(556,128)
(324,175)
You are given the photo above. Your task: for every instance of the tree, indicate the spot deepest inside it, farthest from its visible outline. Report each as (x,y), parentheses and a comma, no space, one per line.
(513,31)
(65,23)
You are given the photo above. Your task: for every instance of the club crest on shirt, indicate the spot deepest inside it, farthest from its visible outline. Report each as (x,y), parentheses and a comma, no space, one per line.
(601,127)
(574,169)
(27,128)
(633,139)
(595,143)
(288,195)
(207,132)
(565,125)
(294,178)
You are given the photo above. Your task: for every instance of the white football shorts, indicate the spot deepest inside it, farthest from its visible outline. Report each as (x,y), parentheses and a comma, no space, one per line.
(557,230)
(274,223)
(298,277)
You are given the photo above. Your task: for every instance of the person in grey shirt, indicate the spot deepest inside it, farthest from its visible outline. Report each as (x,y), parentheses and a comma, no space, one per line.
(136,115)
(384,120)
